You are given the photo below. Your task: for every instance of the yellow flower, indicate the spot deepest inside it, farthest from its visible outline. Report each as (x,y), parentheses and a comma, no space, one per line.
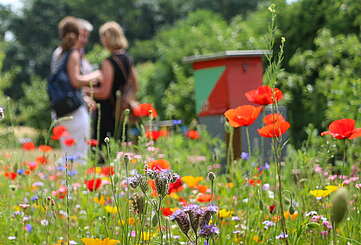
(290,216)
(224,213)
(100,200)
(320,193)
(146,236)
(230,185)
(332,188)
(96,241)
(174,196)
(110,209)
(325,193)
(192,181)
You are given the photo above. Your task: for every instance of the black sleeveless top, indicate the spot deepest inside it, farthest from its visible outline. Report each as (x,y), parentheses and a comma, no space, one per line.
(107,106)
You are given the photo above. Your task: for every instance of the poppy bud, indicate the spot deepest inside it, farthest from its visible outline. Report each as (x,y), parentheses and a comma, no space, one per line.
(261,204)
(291,209)
(211,176)
(339,206)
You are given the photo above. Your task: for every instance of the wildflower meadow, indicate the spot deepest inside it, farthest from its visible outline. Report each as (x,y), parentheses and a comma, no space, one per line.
(178,185)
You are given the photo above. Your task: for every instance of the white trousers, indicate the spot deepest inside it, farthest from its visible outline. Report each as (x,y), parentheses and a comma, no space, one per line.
(79,130)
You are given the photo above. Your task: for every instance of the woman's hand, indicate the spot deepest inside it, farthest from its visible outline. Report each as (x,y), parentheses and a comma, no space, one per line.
(90,103)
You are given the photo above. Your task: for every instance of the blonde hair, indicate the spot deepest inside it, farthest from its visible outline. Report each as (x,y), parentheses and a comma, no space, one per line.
(113,33)
(68,32)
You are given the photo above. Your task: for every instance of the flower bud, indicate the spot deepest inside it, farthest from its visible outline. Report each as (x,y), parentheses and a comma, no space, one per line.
(339,206)
(211,176)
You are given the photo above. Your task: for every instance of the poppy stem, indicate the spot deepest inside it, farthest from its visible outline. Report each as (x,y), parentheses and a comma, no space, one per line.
(248,141)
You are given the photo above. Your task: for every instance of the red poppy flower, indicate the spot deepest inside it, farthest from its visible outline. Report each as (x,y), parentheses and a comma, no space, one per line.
(177,186)
(274,129)
(167,211)
(58,132)
(343,129)
(92,142)
(264,95)
(202,188)
(28,146)
(151,183)
(45,148)
(61,192)
(272,208)
(93,184)
(243,115)
(254,182)
(192,134)
(32,165)
(158,164)
(69,142)
(107,171)
(204,198)
(10,175)
(145,110)
(153,135)
(41,160)
(272,118)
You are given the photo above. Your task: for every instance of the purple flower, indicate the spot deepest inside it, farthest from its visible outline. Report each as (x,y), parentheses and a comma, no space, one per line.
(281,236)
(209,231)
(182,220)
(327,224)
(268,224)
(28,227)
(245,155)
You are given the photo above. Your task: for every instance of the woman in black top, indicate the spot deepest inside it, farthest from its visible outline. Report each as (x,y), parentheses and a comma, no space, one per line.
(118,74)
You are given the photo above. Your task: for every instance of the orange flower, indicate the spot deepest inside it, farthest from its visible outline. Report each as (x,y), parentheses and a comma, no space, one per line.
(45,148)
(158,164)
(343,129)
(287,215)
(243,115)
(202,188)
(28,146)
(41,160)
(273,118)
(192,181)
(204,198)
(264,95)
(274,129)
(192,134)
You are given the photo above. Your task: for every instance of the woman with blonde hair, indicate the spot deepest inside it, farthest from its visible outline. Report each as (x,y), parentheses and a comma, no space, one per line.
(118,74)
(64,89)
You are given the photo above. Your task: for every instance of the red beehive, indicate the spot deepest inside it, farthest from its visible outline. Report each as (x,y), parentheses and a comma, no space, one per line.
(222,79)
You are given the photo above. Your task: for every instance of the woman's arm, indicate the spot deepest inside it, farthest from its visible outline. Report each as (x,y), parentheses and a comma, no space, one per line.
(73,67)
(104,90)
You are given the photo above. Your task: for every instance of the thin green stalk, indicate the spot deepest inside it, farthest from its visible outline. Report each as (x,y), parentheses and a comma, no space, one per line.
(230,149)
(248,141)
